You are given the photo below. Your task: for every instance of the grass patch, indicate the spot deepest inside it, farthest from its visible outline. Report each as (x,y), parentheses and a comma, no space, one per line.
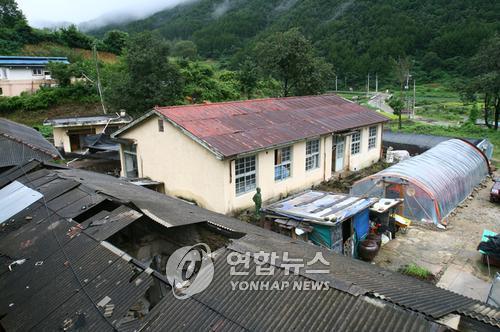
(413,270)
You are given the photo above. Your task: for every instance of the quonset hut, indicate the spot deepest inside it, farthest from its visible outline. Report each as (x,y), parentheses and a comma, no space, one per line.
(433,183)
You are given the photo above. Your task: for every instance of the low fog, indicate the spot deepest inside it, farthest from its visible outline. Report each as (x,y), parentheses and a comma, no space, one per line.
(89,14)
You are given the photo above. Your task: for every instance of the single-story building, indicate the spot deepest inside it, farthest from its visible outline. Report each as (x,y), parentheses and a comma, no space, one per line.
(25,73)
(218,154)
(20,143)
(70,132)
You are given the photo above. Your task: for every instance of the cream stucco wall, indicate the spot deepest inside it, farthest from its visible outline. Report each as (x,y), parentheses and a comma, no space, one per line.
(190,171)
(61,137)
(365,157)
(187,169)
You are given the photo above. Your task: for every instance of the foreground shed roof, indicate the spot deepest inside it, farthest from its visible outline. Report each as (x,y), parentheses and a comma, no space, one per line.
(232,128)
(20,143)
(71,266)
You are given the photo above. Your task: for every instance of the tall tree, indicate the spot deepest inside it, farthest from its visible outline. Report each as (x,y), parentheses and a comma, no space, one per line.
(146,77)
(115,40)
(486,67)
(14,29)
(248,76)
(290,58)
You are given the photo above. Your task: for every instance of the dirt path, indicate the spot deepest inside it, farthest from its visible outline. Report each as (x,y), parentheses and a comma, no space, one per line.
(450,254)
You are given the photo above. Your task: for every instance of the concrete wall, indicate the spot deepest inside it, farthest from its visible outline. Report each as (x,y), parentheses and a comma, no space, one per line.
(190,171)
(61,138)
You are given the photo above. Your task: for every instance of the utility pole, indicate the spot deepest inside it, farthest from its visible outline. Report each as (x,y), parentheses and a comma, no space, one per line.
(336,83)
(414,95)
(99,88)
(376,83)
(368,86)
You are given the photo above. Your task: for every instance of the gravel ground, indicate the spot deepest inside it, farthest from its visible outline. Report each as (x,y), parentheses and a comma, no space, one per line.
(437,249)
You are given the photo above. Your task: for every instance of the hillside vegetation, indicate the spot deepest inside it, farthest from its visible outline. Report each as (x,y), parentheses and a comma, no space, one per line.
(357,37)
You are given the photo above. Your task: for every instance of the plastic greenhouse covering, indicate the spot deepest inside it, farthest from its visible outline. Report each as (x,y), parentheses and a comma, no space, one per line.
(433,183)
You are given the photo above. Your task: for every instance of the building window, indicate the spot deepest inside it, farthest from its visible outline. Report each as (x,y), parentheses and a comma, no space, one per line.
(282,163)
(372,137)
(245,179)
(1,91)
(356,142)
(130,155)
(312,154)
(37,71)
(160,125)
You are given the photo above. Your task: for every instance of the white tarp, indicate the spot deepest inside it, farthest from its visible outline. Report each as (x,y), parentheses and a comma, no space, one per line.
(14,198)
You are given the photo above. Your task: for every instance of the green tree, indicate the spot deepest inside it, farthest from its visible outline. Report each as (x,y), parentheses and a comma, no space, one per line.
(72,37)
(486,67)
(115,40)
(290,58)
(146,77)
(185,49)
(248,76)
(473,114)
(397,104)
(61,72)
(14,30)
(10,15)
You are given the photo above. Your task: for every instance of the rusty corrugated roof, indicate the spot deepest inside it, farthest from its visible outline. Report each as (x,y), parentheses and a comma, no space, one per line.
(232,128)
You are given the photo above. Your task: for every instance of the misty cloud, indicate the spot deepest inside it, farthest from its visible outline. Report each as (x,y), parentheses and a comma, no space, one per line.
(222,8)
(90,13)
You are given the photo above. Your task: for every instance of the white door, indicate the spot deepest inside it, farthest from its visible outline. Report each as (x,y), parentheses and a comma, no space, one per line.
(339,153)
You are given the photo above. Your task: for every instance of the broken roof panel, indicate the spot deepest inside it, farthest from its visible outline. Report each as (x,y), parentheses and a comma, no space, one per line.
(14,198)
(232,128)
(320,207)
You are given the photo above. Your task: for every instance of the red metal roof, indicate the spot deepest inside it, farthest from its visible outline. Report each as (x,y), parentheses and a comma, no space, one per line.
(232,128)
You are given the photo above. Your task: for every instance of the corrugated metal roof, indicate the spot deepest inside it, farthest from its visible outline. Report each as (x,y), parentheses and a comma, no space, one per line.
(320,207)
(43,294)
(28,139)
(232,128)
(13,61)
(71,121)
(220,308)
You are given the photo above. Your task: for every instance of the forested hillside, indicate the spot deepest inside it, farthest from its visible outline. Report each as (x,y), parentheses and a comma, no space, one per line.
(356,36)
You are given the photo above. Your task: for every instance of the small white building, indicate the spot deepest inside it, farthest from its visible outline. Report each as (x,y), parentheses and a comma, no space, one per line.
(69,132)
(218,154)
(25,74)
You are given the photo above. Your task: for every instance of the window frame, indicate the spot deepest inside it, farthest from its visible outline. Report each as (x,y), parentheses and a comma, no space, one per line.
(131,151)
(283,165)
(161,126)
(372,139)
(314,156)
(37,71)
(356,143)
(246,175)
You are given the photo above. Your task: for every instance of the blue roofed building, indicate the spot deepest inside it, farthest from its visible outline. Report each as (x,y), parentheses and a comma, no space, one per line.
(25,73)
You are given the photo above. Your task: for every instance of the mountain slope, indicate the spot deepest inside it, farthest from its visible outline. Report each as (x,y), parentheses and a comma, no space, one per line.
(357,36)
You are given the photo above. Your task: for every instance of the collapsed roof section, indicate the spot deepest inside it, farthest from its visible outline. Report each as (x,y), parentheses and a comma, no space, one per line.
(81,266)
(433,183)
